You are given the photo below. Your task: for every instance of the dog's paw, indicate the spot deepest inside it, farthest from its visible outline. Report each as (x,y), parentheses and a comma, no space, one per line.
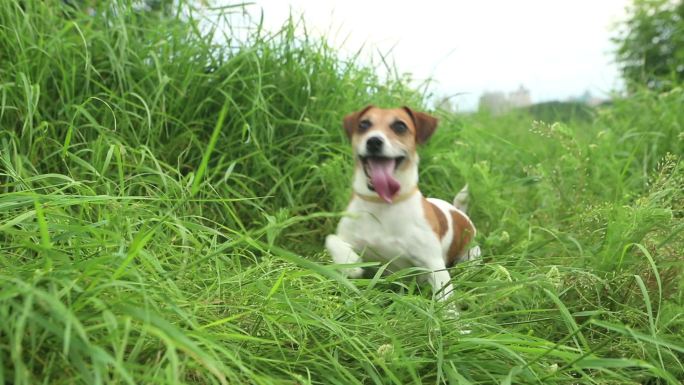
(354,272)
(451,312)
(474,253)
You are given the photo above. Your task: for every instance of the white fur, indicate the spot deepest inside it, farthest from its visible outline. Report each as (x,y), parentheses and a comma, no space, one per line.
(397,233)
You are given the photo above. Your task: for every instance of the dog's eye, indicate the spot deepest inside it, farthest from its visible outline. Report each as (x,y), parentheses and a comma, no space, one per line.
(399,127)
(364,125)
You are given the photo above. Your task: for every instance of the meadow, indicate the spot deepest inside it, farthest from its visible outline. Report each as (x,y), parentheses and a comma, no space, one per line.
(164,201)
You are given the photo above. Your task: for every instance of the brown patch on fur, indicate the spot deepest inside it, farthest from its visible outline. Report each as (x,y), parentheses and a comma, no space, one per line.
(420,125)
(424,123)
(463,233)
(382,119)
(435,218)
(419,128)
(351,121)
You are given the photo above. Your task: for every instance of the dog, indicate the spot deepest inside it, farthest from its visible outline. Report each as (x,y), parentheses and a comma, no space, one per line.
(388,219)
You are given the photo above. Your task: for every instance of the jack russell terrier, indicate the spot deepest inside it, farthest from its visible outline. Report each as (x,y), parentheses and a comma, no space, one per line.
(389,219)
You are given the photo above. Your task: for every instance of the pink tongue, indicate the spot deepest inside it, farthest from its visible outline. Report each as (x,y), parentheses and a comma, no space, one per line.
(381,173)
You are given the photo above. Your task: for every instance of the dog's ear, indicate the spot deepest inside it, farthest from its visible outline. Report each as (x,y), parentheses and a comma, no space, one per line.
(425,124)
(351,121)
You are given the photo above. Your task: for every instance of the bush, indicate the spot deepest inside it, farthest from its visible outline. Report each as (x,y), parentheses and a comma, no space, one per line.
(651,44)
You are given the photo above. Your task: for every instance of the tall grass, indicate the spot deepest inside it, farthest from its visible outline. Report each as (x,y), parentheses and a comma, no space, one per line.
(164,201)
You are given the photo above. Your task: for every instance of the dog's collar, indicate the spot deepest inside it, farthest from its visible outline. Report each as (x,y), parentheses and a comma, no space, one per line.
(377,199)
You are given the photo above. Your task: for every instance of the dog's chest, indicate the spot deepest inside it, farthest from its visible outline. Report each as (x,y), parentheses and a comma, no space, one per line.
(397,233)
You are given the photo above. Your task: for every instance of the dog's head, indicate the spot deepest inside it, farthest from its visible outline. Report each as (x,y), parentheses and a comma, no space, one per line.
(384,142)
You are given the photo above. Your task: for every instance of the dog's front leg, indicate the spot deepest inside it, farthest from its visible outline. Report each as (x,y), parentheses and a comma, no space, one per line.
(342,253)
(440,279)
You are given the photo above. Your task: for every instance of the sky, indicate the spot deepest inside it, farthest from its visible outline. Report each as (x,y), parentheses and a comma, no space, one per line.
(557,49)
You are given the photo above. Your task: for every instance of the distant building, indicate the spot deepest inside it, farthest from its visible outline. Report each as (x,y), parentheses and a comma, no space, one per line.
(495,103)
(498,103)
(520,98)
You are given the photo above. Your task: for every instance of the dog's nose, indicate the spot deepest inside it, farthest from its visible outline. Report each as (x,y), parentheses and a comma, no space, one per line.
(374,145)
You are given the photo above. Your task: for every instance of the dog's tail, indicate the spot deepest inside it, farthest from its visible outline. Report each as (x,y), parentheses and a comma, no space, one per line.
(462,198)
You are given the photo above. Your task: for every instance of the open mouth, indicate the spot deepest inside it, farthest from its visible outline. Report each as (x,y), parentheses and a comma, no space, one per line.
(379,172)
(367,160)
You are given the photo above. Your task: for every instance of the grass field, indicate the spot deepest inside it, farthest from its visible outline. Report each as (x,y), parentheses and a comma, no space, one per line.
(164,203)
